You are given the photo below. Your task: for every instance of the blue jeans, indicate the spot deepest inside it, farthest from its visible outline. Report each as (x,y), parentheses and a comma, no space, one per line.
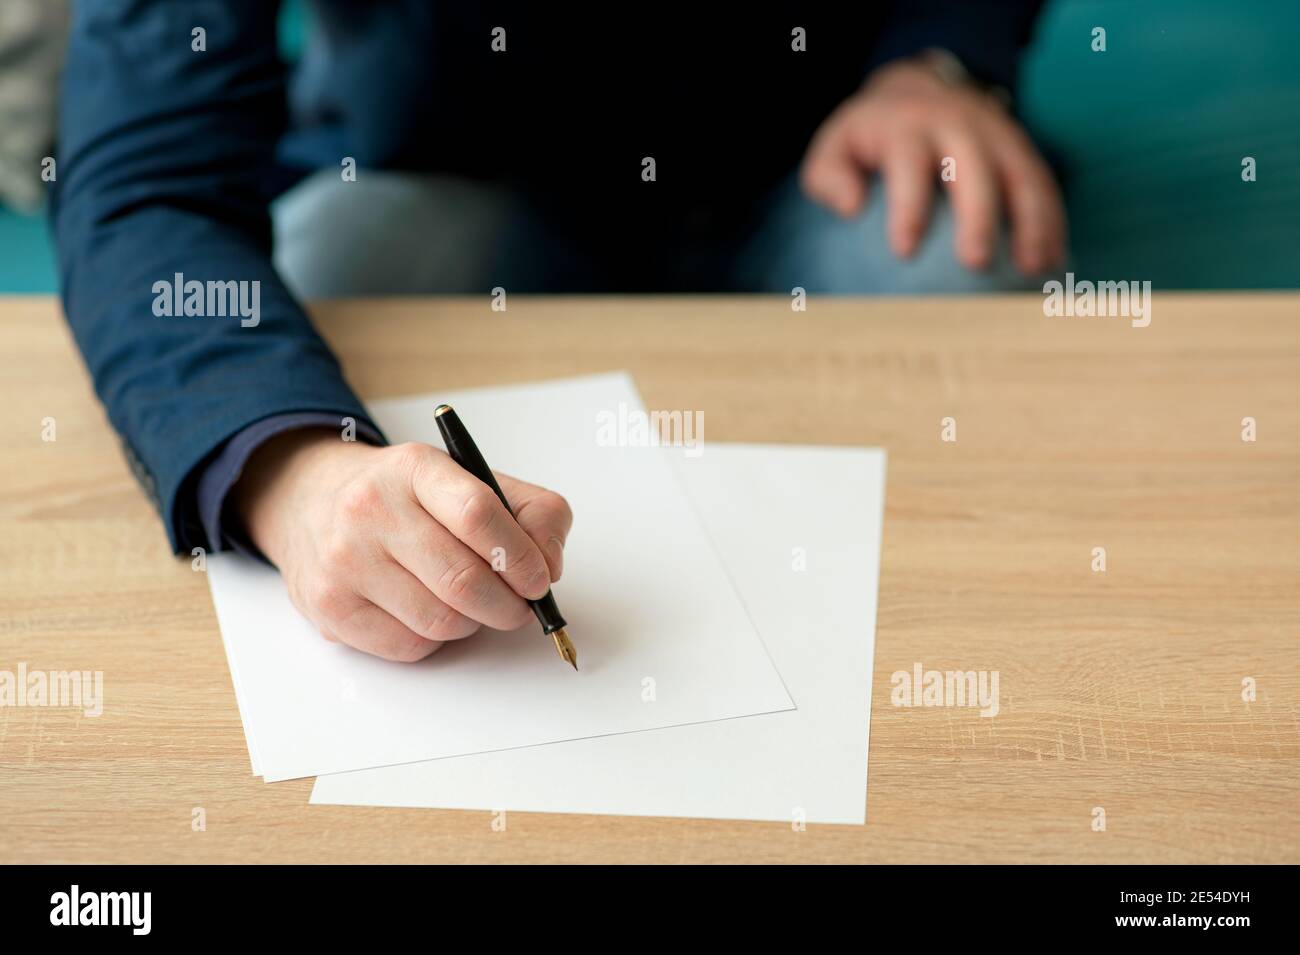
(407,234)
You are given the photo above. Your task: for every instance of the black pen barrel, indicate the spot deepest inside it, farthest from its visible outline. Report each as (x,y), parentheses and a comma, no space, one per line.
(463,450)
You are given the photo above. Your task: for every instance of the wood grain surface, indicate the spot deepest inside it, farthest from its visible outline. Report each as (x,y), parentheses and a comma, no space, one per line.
(1120,690)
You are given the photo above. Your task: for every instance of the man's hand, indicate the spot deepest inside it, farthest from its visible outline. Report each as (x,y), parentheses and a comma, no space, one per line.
(902,124)
(391,550)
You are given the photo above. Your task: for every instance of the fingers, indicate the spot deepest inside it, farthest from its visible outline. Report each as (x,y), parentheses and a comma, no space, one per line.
(1033,202)
(372,630)
(344,616)
(909,190)
(974,195)
(831,176)
(899,125)
(394,589)
(406,550)
(839,158)
(545,517)
(471,511)
(456,575)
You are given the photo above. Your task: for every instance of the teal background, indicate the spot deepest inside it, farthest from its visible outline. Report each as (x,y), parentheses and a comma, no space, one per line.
(1147,138)
(26,258)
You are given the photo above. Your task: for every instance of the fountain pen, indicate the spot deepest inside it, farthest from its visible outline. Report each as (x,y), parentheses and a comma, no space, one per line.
(463,450)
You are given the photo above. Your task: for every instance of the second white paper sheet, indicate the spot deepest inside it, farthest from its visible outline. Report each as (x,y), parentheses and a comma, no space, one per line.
(644,591)
(799,530)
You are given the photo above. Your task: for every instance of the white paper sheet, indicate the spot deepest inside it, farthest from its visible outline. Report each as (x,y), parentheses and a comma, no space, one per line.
(771,511)
(644,591)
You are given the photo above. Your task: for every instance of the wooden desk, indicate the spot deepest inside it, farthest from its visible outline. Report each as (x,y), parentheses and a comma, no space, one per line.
(1119,689)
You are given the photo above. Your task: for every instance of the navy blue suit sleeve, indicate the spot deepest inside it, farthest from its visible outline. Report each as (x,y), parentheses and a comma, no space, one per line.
(986,35)
(165,168)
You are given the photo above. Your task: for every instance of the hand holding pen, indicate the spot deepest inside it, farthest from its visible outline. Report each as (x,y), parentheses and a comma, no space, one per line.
(391,549)
(465,452)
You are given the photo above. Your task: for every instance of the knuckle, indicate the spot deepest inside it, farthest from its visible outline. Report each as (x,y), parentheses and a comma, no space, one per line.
(557,507)
(864,140)
(425,621)
(410,455)
(439,623)
(331,599)
(432,538)
(336,558)
(523,560)
(548,510)
(1015,140)
(464,584)
(360,500)
(478,511)
(810,177)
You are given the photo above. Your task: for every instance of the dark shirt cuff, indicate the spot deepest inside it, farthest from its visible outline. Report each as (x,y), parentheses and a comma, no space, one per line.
(224,470)
(986,37)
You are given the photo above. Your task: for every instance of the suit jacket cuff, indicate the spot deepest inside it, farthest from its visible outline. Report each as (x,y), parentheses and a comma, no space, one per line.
(216,479)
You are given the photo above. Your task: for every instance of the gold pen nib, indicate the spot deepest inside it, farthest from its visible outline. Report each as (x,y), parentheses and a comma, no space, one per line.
(564,647)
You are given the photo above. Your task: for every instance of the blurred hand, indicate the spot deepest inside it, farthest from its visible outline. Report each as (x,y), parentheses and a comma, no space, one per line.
(901,124)
(390,550)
